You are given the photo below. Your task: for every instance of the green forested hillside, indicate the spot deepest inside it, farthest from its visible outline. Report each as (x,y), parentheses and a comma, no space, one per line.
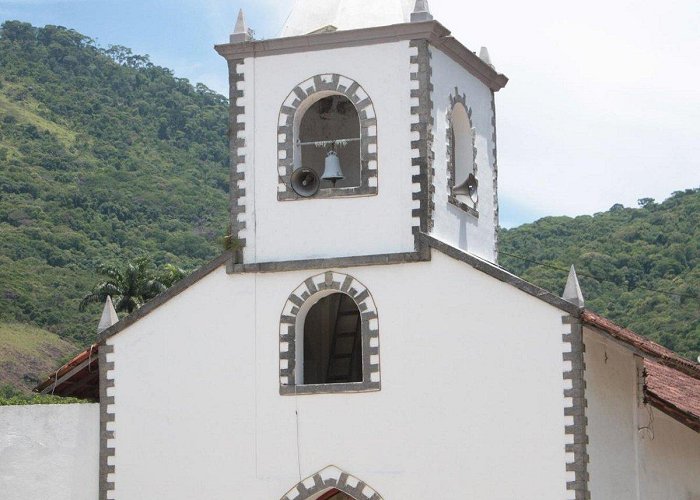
(621,256)
(103,157)
(28,354)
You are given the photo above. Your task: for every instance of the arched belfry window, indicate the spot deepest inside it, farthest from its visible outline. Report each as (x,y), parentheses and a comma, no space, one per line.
(462,179)
(329,337)
(327,125)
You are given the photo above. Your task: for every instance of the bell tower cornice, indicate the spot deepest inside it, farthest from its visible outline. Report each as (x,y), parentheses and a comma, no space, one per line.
(432,31)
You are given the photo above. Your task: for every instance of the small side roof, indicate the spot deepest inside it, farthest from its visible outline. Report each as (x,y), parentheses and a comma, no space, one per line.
(642,346)
(78,378)
(673,392)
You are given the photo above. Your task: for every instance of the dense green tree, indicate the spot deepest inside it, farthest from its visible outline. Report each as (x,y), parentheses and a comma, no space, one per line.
(638,266)
(102,154)
(131,286)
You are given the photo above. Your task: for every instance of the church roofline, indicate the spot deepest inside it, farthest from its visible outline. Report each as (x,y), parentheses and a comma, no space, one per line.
(164,297)
(436,34)
(486,267)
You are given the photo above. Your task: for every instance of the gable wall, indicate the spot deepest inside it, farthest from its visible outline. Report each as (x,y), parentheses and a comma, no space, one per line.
(471,403)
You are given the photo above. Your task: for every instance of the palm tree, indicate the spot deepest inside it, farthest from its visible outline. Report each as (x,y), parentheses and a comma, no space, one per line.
(170,274)
(130,287)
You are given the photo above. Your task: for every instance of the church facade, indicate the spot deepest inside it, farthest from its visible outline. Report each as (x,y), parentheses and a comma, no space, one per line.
(360,340)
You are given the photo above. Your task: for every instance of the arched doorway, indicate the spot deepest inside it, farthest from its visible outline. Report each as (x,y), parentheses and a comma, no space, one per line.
(332,481)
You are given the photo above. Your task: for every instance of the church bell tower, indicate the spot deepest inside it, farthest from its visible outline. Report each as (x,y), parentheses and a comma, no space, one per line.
(360,131)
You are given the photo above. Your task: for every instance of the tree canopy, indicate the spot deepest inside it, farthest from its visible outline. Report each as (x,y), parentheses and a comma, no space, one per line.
(104,156)
(637,266)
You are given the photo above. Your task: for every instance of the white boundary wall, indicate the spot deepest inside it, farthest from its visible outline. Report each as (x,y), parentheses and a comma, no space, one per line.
(49,452)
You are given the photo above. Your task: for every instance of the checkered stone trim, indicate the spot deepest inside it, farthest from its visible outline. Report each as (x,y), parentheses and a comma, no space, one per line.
(422,123)
(331,477)
(237,154)
(106,377)
(301,299)
(575,411)
(311,90)
(455,99)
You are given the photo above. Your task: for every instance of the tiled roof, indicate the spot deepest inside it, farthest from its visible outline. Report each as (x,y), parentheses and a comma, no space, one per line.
(673,392)
(78,378)
(672,383)
(645,347)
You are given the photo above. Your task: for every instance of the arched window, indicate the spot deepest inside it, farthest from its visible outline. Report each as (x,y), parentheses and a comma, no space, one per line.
(329,337)
(330,124)
(462,182)
(332,341)
(463,145)
(327,115)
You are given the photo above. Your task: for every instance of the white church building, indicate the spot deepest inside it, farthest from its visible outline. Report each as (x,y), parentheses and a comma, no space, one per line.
(361,341)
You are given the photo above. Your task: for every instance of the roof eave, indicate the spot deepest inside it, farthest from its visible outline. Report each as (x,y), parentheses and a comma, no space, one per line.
(679,415)
(637,344)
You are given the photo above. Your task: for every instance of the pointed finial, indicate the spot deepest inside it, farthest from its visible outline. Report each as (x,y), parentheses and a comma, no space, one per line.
(109,316)
(484,56)
(240,32)
(572,290)
(421,12)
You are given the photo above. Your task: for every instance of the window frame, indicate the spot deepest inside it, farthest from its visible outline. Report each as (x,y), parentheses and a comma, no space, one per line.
(299,100)
(291,332)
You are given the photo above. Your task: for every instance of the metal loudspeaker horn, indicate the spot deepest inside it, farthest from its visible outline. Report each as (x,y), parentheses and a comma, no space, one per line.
(305,182)
(468,188)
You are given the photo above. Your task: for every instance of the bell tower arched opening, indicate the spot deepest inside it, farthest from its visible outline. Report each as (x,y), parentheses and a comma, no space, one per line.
(329,125)
(327,114)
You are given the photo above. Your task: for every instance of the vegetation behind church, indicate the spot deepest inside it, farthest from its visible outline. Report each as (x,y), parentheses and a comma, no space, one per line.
(105,157)
(637,266)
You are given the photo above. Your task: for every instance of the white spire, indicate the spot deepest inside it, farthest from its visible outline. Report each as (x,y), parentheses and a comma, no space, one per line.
(484,56)
(421,12)
(313,16)
(572,290)
(109,316)
(240,32)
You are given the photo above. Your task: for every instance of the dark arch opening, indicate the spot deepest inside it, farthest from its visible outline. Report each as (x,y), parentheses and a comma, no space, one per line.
(333,341)
(332,118)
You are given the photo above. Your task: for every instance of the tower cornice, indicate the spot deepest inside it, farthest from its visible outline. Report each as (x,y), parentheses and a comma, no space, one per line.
(432,31)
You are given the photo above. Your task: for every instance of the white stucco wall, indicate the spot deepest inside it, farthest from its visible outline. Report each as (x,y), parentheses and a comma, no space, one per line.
(670,462)
(471,404)
(611,392)
(660,461)
(452,224)
(49,452)
(319,228)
